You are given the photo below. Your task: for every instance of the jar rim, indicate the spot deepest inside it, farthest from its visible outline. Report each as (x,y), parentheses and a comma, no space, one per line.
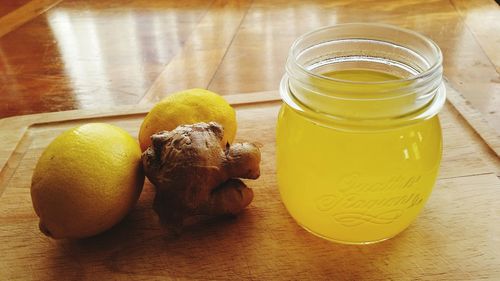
(342,123)
(424,74)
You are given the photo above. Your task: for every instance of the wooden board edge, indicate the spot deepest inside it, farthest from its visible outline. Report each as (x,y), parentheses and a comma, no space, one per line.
(9,123)
(474,118)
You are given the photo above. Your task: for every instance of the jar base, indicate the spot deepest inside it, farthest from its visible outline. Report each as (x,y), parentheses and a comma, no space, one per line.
(348,242)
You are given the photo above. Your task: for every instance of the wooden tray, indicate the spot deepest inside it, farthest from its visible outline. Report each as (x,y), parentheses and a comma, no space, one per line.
(456,237)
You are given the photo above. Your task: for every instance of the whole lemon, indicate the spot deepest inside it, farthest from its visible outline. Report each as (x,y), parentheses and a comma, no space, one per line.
(188,107)
(86,181)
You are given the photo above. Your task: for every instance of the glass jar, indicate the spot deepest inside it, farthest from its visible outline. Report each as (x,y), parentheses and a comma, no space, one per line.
(358,136)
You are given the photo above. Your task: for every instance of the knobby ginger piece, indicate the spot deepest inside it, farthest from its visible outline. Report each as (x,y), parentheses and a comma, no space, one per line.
(196,174)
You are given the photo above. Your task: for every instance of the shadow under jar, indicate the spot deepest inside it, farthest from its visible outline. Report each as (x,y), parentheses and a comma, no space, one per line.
(358,137)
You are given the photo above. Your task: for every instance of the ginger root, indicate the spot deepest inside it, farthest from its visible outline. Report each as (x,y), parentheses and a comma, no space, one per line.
(196,174)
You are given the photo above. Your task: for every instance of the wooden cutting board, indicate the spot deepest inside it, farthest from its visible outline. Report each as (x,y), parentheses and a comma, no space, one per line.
(456,237)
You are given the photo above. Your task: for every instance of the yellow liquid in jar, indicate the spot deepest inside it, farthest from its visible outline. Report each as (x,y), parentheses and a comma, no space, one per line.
(355,186)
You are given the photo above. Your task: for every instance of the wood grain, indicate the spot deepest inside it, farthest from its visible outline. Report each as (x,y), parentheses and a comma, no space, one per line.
(202,53)
(481,16)
(9,6)
(88,54)
(23,14)
(453,239)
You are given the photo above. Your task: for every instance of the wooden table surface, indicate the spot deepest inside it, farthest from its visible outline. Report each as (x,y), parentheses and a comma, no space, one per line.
(78,54)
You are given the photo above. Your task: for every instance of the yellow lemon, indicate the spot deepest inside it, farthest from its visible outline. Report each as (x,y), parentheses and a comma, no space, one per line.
(86,181)
(188,107)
